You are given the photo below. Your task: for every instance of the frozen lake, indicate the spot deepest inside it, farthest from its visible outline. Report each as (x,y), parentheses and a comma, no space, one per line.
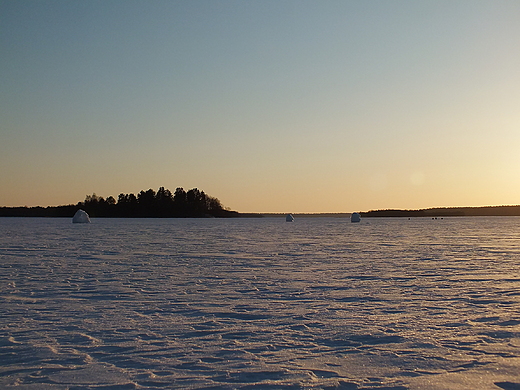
(319,303)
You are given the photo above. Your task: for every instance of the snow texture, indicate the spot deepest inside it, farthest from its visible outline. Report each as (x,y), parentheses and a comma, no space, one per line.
(260,304)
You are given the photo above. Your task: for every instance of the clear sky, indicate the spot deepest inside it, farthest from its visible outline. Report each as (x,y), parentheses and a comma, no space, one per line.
(270,106)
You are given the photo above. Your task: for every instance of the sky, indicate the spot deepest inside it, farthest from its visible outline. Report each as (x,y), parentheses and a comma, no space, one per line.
(270,106)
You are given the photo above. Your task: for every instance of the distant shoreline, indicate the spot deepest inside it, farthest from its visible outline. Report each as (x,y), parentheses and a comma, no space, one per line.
(479,211)
(69,210)
(482,211)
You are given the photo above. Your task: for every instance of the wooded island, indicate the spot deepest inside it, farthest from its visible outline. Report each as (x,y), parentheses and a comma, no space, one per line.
(147,204)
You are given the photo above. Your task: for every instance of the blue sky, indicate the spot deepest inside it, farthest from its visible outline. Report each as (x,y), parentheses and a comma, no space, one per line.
(271,106)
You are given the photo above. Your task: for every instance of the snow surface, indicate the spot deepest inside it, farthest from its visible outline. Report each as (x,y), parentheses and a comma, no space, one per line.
(260,304)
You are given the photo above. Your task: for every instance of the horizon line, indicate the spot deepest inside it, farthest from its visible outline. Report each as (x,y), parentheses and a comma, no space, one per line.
(314,212)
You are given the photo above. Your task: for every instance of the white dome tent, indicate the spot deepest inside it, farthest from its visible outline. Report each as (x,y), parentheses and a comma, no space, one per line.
(355,217)
(81,216)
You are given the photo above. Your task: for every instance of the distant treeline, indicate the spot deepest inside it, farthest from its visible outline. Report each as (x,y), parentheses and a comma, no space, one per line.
(447,212)
(196,204)
(307,215)
(147,204)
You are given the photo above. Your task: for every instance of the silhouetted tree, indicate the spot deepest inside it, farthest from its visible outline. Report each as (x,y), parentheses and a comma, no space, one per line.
(146,198)
(132,199)
(180,196)
(163,196)
(180,203)
(213,204)
(196,202)
(92,200)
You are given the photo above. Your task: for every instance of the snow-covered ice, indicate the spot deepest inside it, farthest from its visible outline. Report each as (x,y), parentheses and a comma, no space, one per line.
(255,303)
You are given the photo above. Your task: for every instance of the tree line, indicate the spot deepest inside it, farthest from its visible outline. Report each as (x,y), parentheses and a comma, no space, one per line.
(146,204)
(152,204)
(447,212)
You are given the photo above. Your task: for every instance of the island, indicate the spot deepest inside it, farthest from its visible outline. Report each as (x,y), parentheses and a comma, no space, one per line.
(146,204)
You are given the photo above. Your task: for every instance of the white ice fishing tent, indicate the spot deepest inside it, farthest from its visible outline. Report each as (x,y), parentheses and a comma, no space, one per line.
(289,218)
(355,217)
(80,217)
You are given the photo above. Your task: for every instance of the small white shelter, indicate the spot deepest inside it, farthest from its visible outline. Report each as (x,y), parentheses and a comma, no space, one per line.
(355,217)
(289,218)
(81,216)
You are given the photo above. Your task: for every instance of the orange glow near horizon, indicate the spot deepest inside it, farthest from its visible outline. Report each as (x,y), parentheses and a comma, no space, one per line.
(276,107)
